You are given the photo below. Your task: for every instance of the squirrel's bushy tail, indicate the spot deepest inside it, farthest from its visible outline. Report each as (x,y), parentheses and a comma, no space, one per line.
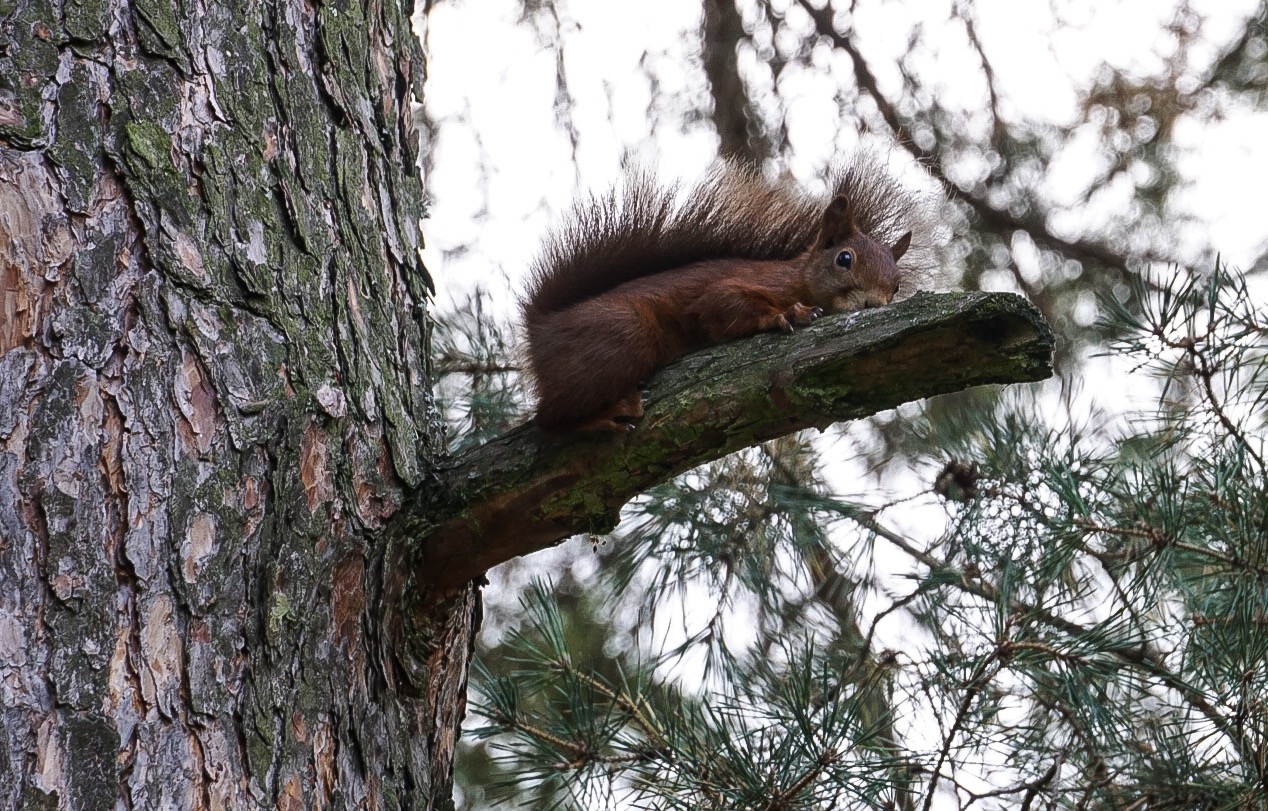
(644,227)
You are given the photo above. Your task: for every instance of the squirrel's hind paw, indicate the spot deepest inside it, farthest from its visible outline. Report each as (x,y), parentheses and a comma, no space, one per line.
(620,417)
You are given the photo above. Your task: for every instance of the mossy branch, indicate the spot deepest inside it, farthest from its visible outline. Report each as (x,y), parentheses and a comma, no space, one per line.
(525,491)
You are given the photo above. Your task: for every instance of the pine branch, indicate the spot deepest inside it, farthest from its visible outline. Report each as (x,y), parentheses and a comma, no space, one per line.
(525,491)
(1144,655)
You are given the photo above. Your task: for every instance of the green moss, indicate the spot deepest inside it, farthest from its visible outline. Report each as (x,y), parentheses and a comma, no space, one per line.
(149,154)
(150,143)
(87,20)
(160,32)
(27,67)
(341,26)
(259,738)
(77,147)
(20,122)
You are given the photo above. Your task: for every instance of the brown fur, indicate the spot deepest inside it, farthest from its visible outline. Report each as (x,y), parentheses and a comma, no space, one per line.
(632,281)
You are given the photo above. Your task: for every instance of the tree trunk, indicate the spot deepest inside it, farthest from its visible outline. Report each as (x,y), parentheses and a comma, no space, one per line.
(213,390)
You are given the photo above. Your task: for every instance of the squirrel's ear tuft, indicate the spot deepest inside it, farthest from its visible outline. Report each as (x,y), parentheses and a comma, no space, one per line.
(901,246)
(838,222)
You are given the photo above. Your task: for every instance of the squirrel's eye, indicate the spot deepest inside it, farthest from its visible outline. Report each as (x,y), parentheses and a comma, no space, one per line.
(845,259)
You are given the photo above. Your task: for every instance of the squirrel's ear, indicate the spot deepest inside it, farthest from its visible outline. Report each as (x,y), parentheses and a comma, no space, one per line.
(838,222)
(901,246)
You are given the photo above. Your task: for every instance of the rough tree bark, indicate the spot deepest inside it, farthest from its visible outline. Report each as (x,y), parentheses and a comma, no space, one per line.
(213,390)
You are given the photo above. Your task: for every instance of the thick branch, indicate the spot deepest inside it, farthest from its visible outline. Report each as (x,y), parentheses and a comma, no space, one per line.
(525,491)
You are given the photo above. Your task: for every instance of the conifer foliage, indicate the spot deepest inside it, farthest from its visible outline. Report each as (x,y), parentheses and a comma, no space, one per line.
(1086,629)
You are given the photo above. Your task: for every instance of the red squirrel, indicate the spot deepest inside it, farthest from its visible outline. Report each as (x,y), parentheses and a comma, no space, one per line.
(645,274)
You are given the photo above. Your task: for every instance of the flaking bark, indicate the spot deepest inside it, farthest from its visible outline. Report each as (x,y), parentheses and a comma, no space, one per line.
(213,392)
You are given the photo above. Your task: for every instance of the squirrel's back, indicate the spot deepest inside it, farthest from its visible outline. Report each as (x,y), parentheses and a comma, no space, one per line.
(643,227)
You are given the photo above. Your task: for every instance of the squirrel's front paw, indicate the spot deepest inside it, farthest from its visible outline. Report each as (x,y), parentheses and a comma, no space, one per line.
(801,315)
